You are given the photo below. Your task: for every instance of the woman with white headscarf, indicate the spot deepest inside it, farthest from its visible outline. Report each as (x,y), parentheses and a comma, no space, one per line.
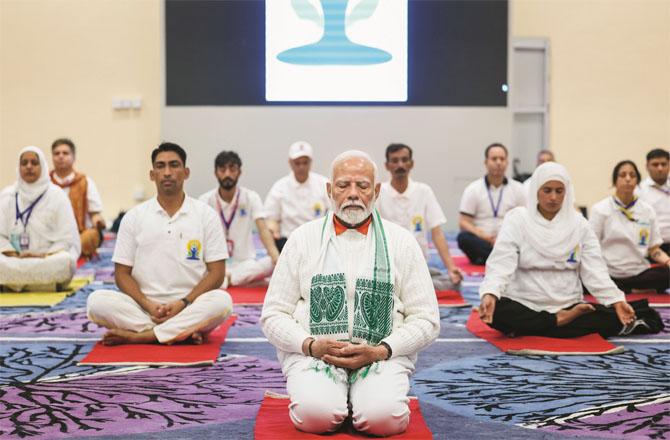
(544,253)
(39,241)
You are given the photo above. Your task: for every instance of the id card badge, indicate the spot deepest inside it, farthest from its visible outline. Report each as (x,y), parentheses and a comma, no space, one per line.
(15,241)
(24,241)
(231,247)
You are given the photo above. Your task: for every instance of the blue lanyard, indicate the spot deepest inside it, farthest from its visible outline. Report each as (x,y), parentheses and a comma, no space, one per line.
(228,222)
(495,208)
(25,215)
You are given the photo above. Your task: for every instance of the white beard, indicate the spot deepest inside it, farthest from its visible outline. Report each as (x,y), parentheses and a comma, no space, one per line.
(353,216)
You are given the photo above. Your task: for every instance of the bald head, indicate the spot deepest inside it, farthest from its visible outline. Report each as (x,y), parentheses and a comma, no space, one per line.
(353,187)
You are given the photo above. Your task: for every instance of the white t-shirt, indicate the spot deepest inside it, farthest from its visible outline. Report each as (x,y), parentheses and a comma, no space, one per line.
(92,195)
(625,243)
(168,254)
(249,209)
(658,196)
(489,208)
(292,203)
(416,210)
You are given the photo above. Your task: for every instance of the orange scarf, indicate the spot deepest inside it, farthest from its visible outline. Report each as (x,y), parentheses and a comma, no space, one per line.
(78,197)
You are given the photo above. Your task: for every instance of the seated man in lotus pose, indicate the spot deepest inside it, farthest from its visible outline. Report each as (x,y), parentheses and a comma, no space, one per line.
(170,262)
(239,210)
(628,231)
(543,254)
(39,243)
(655,191)
(349,306)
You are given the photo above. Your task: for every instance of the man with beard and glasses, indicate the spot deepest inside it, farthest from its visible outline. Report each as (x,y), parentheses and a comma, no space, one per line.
(655,190)
(349,306)
(239,210)
(170,263)
(413,206)
(484,204)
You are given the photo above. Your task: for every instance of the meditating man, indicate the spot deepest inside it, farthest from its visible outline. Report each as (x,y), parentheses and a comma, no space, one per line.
(655,191)
(169,265)
(297,198)
(413,206)
(542,157)
(83,194)
(349,306)
(627,228)
(39,244)
(544,253)
(484,204)
(239,210)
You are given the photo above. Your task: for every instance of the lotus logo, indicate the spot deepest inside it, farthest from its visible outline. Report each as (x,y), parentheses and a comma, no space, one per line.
(334,47)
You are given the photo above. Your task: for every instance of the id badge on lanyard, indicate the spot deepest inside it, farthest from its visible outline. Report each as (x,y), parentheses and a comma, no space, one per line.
(231,247)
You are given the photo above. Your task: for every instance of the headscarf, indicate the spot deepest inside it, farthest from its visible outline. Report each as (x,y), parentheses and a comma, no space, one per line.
(555,238)
(28,192)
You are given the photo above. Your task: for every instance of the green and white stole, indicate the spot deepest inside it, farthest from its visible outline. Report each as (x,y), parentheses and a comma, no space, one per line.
(373,304)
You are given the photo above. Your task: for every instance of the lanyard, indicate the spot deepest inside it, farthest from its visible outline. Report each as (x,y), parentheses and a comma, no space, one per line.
(495,208)
(625,209)
(228,222)
(661,189)
(25,215)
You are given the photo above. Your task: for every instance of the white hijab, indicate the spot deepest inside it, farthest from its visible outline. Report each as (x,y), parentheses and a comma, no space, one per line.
(28,192)
(554,238)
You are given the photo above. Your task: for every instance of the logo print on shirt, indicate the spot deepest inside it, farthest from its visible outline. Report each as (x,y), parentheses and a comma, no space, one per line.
(193,248)
(243,211)
(644,237)
(318,209)
(572,258)
(417,223)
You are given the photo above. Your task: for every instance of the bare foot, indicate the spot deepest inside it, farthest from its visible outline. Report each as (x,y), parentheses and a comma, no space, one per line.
(564,317)
(197,338)
(118,336)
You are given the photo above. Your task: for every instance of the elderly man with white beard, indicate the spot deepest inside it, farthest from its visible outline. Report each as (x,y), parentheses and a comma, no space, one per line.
(349,306)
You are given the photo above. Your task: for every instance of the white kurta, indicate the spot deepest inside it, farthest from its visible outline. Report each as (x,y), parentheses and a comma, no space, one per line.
(658,196)
(517,271)
(479,204)
(625,244)
(293,204)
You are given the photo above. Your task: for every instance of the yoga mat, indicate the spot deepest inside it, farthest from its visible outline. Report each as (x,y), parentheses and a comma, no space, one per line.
(161,354)
(533,345)
(273,422)
(654,299)
(41,299)
(247,295)
(462,262)
(450,298)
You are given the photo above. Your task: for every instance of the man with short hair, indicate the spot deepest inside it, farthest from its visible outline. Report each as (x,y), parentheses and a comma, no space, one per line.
(239,210)
(413,206)
(297,198)
(542,157)
(170,263)
(83,193)
(484,204)
(655,190)
(349,306)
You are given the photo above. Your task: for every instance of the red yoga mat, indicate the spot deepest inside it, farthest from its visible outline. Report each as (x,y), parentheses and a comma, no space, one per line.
(655,299)
(160,354)
(468,268)
(273,423)
(247,295)
(532,345)
(450,298)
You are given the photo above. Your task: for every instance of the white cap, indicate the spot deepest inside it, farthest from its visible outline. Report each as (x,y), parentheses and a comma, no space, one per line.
(300,149)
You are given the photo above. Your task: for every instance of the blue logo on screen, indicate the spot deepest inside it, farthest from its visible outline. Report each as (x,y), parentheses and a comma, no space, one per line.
(334,47)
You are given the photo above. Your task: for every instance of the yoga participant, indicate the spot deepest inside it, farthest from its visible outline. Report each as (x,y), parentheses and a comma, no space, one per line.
(349,306)
(297,198)
(169,265)
(413,206)
(39,244)
(655,191)
(484,204)
(83,194)
(544,253)
(627,228)
(239,209)
(542,157)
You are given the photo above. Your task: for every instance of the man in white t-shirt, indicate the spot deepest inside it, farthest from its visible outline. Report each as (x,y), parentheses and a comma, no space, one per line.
(83,194)
(542,157)
(297,198)
(484,204)
(655,190)
(169,265)
(413,206)
(239,209)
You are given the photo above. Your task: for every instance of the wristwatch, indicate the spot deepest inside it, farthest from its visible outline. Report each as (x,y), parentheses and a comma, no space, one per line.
(186,302)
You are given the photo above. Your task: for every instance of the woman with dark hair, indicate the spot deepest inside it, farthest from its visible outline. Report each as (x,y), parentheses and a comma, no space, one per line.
(628,232)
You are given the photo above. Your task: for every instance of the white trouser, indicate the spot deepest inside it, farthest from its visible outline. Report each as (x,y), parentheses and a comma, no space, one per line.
(249,271)
(17,273)
(320,401)
(113,309)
